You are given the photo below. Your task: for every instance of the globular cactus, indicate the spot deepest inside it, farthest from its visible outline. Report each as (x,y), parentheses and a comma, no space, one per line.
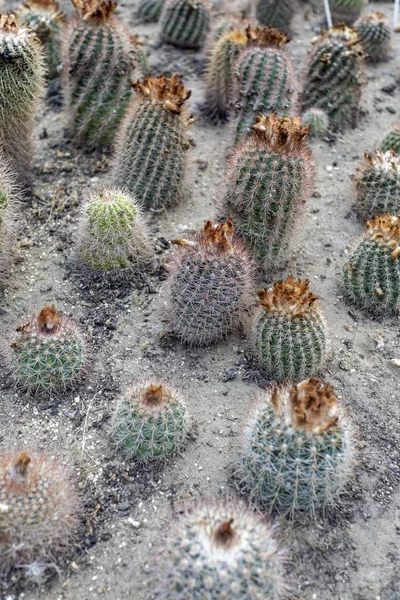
(267,180)
(40,513)
(375,34)
(113,237)
(391,141)
(289,332)
(209,286)
(49,353)
(297,449)
(372,271)
(219,550)
(335,75)
(377,183)
(150,422)
(264,77)
(8,199)
(346,11)
(21,88)
(318,121)
(150,10)
(152,143)
(185,23)
(276,13)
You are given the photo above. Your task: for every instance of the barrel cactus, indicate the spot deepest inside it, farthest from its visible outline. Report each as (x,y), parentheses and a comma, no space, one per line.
(391,141)
(318,121)
(8,201)
(346,11)
(375,34)
(150,10)
(377,183)
(276,13)
(185,23)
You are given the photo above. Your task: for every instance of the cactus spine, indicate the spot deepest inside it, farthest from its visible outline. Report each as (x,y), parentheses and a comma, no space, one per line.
(317,120)
(346,11)
(152,144)
(297,449)
(8,195)
(150,10)
(391,141)
(378,184)
(375,34)
(185,23)
(372,272)
(276,13)
(267,179)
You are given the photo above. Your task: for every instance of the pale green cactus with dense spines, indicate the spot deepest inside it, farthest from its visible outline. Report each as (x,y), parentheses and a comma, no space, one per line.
(276,13)
(346,11)
(150,422)
(375,35)
(9,192)
(297,450)
(150,10)
(318,121)
(185,23)
(377,183)
(391,141)
(226,24)
(372,270)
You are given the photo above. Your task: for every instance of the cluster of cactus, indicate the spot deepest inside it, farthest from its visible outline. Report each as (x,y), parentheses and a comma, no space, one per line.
(8,194)
(150,422)
(220,550)
(40,511)
(150,10)
(318,121)
(264,77)
(185,23)
(276,13)
(378,184)
(49,353)
(391,141)
(334,76)
(346,11)
(375,34)
(21,88)
(297,449)
(267,180)
(289,336)
(209,286)
(152,144)
(372,271)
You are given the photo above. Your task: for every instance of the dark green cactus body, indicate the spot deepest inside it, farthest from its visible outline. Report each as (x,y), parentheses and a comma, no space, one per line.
(378,185)
(346,11)
(391,141)
(276,13)
(375,34)
(185,23)
(150,10)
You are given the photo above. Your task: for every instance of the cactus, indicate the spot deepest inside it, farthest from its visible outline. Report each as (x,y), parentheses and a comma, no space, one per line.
(8,198)
(150,422)
(48,353)
(289,331)
(297,449)
(318,121)
(372,272)
(219,550)
(374,34)
(391,141)
(150,10)
(21,88)
(378,184)
(40,511)
(267,180)
(334,76)
(264,77)
(150,159)
(209,286)
(346,11)
(113,237)
(276,13)
(185,23)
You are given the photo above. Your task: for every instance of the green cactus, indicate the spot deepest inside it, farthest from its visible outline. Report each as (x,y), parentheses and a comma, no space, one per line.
(150,422)
(378,184)
(151,151)
(276,13)
(375,35)
(318,121)
(346,11)
(266,182)
(185,23)
(226,24)
(8,197)
(264,78)
(372,271)
(150,10)
(289,336)
(297,449)
(334,76)
(391,141)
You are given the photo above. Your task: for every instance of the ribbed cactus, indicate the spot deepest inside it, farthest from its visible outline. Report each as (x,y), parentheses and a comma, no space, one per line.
(219,550)
(152,143)
(48,353)
(185,23)
(150,10)
(8,195)
(318,121)
(391,141)
(372,271)
(378,184)
(334,76)
(266,182)
(40,512)
(375,34)
(264,78)
(346,11)
(276,13)
(21,88)
(150,422)
(289,336)
(297,449)
(226,24)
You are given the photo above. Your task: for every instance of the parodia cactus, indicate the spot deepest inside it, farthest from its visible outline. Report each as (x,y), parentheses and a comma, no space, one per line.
(276,13)
(8,194)
(267,179)
(391,141)
(209,286)
(297,449)
(150,10)
(378,184)
(375,33)
(317,120)
(346,11)
(185,23)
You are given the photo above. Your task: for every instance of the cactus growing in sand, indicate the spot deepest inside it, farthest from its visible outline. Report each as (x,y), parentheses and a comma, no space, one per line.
(377,183)
(152,143)
(317,120)
(297,449)
(185,23)
(372,271)
(289,336)
(375,34)
(276,13)
(267,180)
(150,10)
(150,422)
(40,511)
(346,11)
(391,141)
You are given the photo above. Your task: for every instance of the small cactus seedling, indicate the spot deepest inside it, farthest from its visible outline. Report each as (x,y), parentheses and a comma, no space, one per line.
(276,13)
(8,195)
(334,76)
(372,272)
(375,34)
(40,511)
(48,353)
(185,23)
(21,88)
(391,141)
(267,180)
(318,121)
(378,184)
(264,77)
(297,449)
(152,144)
(209,286)
(346,11)
(220,550)
(150,10)
(289,331)
(150,422)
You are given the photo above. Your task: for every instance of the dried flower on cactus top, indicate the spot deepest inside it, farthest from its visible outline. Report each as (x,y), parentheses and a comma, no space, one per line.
(217,237)
(167,90)
(313,406)
(377,182)
(285,134)
(266,36)
(94,9)
(386,231)
(290,297)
